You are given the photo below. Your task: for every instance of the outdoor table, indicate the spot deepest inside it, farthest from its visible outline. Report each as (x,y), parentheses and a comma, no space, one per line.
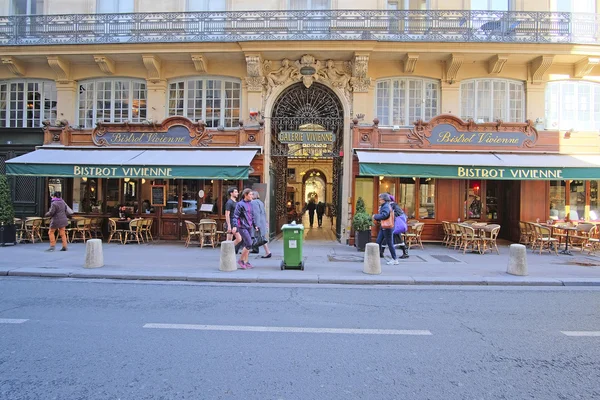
(566,251)
(123,225)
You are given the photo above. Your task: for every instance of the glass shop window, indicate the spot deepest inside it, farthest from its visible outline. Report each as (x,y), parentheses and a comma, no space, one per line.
(363,187)
(557,200)
(577,200)
(145,196)
(387,185)
(492,194)
(130,195)
(407,196)
(210,197)
(473,204)
(225,185)
(189,197)
(594,202)
(426,198)
(172,206)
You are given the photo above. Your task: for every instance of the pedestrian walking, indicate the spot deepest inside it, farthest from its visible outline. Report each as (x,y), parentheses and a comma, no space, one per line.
(260,217)
(243,223)
(399,228)
(59,215)
(387,226)
(311,207)
(320,212)
(229,209)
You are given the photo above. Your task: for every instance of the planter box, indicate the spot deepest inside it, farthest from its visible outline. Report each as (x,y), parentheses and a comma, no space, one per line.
(361,238)
(8,234)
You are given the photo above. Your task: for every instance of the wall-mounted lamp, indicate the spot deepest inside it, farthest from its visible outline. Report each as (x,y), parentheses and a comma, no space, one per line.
(143,181)
(127,179)
(84,179)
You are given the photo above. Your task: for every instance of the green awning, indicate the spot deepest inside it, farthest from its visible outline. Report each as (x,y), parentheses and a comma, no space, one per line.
(108,163)
(479,165)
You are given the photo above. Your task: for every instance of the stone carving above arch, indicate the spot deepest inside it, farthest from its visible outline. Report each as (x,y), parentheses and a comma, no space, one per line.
(308,70)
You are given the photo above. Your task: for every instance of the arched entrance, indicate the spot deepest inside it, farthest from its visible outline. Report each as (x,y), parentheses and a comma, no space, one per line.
(307,131)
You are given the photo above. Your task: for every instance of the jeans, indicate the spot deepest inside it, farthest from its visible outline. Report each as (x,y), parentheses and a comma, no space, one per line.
(387,235)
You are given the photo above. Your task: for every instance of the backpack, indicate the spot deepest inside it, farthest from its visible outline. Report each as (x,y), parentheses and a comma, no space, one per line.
(400,224)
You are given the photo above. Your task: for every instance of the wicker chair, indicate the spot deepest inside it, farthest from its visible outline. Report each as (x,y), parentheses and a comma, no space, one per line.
(134,233)
(32,229)
(470,239)
(147,229)
(489,237)
(582,235)
(413,236)
(96,228)
(207,232)
(113,232)
(544,239)
(192,232)
(82,229)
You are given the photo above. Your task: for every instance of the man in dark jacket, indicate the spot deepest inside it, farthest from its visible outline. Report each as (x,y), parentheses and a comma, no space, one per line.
(311,207)
(59,220)
(320,212)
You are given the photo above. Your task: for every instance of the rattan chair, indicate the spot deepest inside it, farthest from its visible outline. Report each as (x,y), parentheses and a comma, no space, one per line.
(207,232)
(192,232)
(470,239)
(134,233)
(32,229)
(96,228)
(147,229)
(81,230)
(114,234)
(489,236)
(413,235)
(544,239)
(582,235)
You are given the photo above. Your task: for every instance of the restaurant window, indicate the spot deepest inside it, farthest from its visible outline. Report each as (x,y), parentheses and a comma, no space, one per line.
(426,198)
(309,5)
(573,105)
(87,195)
(146,195)
(492,194)
(130,194)
(112,100)
(387,185)
(488,100)
(172,197)
(406,199)
(473,206)
(402,101)
(214,101)
(114,6)
(594,201)
(577,200)
(27,103)
(189,196)
(363,187)
(206,5)
(557,200)
(210,194)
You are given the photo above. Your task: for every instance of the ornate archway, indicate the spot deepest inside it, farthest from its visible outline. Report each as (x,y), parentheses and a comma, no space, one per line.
(299,113)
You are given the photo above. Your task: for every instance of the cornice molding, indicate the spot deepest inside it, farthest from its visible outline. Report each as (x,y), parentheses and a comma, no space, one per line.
(106,64)
(153,66)
(200,63)
(14,65)
(61,68)
(496,63)
(539,66)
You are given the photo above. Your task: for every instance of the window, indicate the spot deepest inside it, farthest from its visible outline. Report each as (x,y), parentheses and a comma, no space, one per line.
(579,6)
(426,198)
(491,5)
(206,5)
(402,101)
(111,101)
(557,200)
(114,6)
(26,103)
(408,5)
(577,200)
(27,7)
(407,196)
(487,100)
(215,101)
(309,5)
(594,201)
(573,105)
(363,187)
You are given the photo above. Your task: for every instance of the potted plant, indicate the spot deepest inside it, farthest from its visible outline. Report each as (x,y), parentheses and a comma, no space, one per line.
(8,232)
(361,223)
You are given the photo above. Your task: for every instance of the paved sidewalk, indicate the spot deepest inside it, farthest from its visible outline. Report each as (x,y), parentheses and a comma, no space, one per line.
(325,262)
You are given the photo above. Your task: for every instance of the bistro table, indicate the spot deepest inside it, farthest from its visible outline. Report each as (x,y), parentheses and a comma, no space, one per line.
(566,250)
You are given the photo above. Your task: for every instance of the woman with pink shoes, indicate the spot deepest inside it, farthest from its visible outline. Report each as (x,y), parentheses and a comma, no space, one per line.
(243,222)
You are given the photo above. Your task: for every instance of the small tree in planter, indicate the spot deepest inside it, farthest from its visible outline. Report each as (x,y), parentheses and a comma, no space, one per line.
(7,214)
(361,223)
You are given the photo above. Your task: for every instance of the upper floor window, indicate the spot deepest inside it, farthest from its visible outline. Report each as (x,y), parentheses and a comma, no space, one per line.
(491,5)
(487,100)
(26,103)
(114,6)
(213,100)
(111,100)
(408,5)
(26,7)
(573,105)
(402,101)
(309,5)
(206,5)
(579,6)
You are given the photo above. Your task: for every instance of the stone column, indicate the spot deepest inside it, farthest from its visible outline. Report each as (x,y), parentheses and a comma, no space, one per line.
(536,101)
(157,100)
(450,98)
(66,99)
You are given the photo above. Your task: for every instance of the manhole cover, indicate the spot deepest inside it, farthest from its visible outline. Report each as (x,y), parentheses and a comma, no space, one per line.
(446,259)
(345,258)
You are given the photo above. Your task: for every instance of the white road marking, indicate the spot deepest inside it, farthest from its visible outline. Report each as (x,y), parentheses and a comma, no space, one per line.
(285,329)
(12,321)
(581,333)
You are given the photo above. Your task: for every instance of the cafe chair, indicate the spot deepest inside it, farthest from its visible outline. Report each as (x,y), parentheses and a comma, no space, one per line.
(32,229)
(192,232)
(45,227)
(470,239)
(447,232)
(147,229)
(594,241)
(489,236)
(581,237)
(82,229)
(18,222)
(96,228)
(207,232)
(114,234)
(134,233)
(413,235)
(524,234)
(455,235)
(544,239)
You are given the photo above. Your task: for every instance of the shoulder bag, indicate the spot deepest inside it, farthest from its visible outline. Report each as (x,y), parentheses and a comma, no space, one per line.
(388,223)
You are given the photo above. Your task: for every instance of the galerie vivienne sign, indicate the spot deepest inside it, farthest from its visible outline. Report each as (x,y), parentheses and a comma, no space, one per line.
(306,137)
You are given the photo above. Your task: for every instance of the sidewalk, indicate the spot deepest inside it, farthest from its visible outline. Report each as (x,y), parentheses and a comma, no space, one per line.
(325,262)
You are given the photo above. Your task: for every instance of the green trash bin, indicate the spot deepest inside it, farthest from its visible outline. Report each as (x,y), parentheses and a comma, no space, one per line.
(293,236)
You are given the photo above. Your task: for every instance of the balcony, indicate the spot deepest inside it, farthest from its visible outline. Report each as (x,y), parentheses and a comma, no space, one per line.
(239,26)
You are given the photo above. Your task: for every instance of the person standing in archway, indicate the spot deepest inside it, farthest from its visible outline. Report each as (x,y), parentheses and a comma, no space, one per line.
(320,212)
(311,207)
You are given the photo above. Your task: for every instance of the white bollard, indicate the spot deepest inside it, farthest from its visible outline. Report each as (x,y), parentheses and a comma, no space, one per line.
(372,263)
(227,262)
(517,260)
(93,254)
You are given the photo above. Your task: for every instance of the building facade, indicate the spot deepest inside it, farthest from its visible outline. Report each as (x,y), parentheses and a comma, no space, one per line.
(305,88)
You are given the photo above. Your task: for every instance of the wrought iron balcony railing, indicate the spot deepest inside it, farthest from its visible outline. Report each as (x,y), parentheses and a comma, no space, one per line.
(235,26)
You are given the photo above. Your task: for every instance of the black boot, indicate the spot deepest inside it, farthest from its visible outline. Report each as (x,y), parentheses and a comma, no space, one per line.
(404,251)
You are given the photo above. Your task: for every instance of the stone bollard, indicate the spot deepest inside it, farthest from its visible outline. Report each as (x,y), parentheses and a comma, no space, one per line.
(517,260)
(227,262)
(372,263)
(93,254)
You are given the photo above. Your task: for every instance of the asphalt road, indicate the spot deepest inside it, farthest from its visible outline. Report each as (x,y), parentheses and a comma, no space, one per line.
(69,339)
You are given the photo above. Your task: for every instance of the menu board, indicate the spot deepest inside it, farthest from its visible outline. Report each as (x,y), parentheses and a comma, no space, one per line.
(159,195)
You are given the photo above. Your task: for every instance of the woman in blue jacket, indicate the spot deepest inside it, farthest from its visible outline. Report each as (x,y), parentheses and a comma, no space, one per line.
(385,209)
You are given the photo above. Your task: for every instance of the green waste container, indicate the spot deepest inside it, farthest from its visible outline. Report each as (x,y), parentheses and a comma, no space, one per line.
(293,235)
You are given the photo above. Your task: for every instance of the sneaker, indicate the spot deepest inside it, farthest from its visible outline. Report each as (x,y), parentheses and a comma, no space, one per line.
(241,264)
(50,249)
(63,249)
(249,266)
(393,262)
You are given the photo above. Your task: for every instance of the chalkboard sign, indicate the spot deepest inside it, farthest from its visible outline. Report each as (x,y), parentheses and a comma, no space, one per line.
(159,195)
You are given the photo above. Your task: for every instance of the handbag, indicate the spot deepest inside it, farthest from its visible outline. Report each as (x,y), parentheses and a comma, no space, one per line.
(259,239)
(388,223)
(400,224)
(69,211)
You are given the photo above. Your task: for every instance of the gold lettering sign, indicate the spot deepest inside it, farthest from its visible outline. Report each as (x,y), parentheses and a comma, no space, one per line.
(323,137)
(134,172)
(509,173)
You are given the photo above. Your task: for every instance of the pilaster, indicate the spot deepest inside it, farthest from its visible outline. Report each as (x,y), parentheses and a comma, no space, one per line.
(536,100)
(66,101)
(157,100)
(451,98)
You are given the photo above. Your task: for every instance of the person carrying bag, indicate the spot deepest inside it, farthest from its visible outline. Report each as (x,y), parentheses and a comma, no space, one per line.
(386,218)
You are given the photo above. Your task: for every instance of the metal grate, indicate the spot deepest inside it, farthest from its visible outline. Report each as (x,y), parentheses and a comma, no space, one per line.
(446,259)
(2,164)
(25,189)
